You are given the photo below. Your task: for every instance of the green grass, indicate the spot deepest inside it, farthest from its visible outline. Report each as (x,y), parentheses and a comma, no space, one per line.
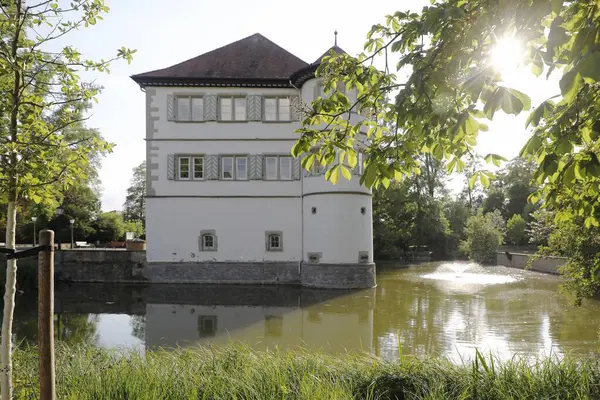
(237,372)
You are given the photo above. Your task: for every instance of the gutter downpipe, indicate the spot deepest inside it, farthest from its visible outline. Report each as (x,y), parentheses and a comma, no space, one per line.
(302,200)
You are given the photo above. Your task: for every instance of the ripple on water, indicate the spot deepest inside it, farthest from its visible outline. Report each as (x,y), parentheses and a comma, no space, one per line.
(471,278)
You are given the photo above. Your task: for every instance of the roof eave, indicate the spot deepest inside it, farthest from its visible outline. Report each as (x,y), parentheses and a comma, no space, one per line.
(144,81)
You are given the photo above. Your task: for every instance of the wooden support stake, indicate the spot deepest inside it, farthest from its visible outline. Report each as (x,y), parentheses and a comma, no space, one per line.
(46,315)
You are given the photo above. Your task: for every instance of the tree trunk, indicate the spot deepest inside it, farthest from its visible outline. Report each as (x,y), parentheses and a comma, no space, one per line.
(9,300)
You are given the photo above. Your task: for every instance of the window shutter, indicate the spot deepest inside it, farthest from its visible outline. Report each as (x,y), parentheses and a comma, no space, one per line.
(296,169)
(256,167)
(210,107)
(254,107)
(295,108)
(170,108)
(212,167)
(171,167)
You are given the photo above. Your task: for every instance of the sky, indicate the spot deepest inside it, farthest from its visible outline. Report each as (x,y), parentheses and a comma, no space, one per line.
(166,32)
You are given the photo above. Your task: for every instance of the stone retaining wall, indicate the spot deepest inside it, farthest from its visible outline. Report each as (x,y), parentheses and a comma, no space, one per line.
(548,265)
(131,267)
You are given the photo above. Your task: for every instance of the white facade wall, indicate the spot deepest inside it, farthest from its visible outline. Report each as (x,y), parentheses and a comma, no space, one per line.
(240,212)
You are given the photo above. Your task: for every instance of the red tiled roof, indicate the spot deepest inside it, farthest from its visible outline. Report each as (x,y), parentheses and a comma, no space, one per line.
(252,58)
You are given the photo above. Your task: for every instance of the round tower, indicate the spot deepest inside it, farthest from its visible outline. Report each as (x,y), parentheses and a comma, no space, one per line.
(337,237)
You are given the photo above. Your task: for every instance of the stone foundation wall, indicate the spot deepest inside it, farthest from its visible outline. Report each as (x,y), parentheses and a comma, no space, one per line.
(548,265)
(99,266)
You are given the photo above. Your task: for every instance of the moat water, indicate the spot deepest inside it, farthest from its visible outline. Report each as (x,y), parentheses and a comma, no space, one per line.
(443,309)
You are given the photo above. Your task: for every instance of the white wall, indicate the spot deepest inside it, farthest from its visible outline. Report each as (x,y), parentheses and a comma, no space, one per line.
(338,230)
(174,225)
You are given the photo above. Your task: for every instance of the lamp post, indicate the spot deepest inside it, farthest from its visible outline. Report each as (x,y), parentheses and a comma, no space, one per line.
(59,211)
(72,221)
(34,230)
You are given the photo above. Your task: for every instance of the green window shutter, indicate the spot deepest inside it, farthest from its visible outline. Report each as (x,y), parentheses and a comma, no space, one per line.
(170,108)
(171,167)
(254,107)
(210,107)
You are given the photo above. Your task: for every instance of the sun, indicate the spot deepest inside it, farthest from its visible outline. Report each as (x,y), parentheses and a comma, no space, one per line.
(507,55)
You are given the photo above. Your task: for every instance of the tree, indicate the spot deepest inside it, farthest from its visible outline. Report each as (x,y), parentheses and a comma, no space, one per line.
(494,200)
(457,212)
(108,227)
(42,100)
(483,238)
(134,208)
(540,227)
(516,230)
(452,85)
(517,180)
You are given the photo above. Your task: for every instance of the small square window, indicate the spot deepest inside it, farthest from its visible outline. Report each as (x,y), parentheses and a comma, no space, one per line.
(232,109)
(240,108)
(274,241)
(207,325)
(277,109)
(227,168)
(208,242)
(270,109)
(226,109)
(273,325)
(284,109)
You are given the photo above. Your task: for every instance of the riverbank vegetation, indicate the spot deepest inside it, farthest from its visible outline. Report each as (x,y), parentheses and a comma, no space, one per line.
(237,372)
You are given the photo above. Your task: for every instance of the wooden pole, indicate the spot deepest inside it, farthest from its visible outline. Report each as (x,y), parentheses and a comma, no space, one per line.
(46,314)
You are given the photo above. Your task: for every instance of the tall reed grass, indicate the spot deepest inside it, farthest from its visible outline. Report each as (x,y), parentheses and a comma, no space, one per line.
(238,372)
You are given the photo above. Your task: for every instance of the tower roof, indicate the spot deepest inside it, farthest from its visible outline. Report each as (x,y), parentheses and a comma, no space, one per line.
(335,49)
(254,59)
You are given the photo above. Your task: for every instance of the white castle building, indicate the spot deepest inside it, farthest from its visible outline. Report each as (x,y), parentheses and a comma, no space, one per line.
(226,202)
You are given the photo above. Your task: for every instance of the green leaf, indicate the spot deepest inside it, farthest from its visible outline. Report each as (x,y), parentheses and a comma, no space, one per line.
(541,111)
(570,84)
(472,180)
(334,174)
(589,68)
(352,158)
(532,146)
(485,182)
(346,172)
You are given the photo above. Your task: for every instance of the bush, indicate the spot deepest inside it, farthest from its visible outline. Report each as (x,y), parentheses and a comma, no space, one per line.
(516,230)
(237,372)
(483,237)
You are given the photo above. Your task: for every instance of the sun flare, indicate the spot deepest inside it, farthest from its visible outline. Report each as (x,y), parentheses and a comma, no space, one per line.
(507,55)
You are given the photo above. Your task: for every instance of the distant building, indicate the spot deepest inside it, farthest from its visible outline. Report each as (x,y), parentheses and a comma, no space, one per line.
(225,200)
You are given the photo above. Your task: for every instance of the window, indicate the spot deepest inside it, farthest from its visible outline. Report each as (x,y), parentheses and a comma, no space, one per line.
(184,168)
(227,168)
(285,168)
(360,163)
(207,325)
(271,168)
(277,109)
(198,167)
(317,168)
(274,241)
(241,168)
(234,167)
(232,108)
(278,167)
(190,108)
(190,167)
(273,325)
(208,242)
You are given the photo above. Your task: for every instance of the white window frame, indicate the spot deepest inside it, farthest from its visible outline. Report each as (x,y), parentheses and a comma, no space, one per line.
(233,112)
(235,176)
(191,159)
(277,110)
(189,169)
(223,158)
(190,107)
(193,168)
(278,176)
(237,168)
(281,158)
